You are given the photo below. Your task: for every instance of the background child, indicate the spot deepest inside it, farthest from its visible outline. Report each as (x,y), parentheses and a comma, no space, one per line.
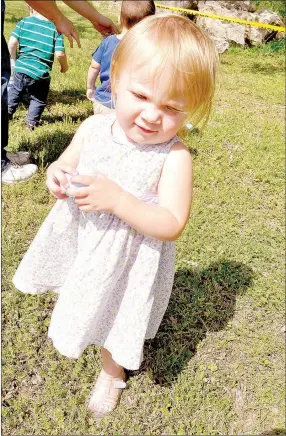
(109,249)
(131,13)
(38,42)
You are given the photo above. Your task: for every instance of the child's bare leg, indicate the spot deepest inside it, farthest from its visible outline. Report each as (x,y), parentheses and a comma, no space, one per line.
(109,365)
(108,388)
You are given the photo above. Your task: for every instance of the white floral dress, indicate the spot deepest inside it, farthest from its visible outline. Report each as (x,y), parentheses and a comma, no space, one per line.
(114,283)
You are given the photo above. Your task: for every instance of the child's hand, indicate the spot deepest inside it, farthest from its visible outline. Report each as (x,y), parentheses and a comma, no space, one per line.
(64,69)
(89,93)
(100,194)
(56,181)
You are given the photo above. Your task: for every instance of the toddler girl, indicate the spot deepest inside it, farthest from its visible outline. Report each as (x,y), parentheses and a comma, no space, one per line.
(108,247)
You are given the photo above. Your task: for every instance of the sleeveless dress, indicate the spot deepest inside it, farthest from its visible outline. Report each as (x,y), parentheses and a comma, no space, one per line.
(114,283)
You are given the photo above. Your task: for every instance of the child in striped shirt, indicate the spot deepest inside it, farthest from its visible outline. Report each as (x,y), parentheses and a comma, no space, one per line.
(38,42)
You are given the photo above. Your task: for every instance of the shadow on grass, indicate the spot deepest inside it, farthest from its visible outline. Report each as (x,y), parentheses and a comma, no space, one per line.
(71,117)
(66,96)
(47,146)
(202,301)
(69,114)
(12,19)
(258,67)
(273,432)
(49,118)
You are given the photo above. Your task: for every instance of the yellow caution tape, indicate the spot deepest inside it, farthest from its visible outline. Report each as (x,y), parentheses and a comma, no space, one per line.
(221,17)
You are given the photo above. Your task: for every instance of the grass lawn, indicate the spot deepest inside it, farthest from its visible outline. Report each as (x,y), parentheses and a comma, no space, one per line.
(217,363)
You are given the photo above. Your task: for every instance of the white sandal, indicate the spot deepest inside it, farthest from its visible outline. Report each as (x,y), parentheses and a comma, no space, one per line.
(105,395)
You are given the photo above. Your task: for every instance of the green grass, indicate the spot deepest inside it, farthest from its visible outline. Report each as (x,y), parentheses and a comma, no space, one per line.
(277,6)
(217,363)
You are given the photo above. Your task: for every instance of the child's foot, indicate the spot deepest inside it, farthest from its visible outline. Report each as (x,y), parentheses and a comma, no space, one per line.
(106,394)
(30,126)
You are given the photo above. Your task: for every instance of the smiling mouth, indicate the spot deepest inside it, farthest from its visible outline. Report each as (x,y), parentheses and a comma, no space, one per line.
(145,130)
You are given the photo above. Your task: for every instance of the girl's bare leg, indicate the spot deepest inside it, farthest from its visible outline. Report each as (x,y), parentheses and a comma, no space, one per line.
(109,365)
(108,388)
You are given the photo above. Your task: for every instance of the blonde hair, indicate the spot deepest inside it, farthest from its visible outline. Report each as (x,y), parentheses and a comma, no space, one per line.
(173,44)
(134,11)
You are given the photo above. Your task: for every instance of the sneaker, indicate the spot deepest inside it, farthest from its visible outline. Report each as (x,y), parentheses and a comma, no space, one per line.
(13,173)
(30,127)
(19,158)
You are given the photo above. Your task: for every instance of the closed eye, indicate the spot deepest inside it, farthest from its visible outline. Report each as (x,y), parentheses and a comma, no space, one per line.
(173,109)
(139,96)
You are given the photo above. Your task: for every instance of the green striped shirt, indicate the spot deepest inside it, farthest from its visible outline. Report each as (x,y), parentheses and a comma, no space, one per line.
(38,40)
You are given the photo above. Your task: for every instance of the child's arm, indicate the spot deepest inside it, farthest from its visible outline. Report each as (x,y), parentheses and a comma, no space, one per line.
(62,58)
(168,220)
(92,74)
(12,47)
(165,221)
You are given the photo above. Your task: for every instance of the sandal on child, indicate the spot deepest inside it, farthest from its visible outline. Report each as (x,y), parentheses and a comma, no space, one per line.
(106,394)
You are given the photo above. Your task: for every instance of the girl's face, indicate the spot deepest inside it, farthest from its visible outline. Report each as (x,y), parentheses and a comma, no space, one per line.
(144,111)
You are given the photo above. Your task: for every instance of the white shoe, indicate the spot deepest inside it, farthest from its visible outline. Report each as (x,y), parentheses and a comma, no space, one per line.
(13,173)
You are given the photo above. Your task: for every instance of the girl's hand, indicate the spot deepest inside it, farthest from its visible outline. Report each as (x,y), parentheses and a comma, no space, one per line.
(100,193)
(56,181)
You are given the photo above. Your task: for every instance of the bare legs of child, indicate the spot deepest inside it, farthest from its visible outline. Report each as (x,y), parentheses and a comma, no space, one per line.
(108,388)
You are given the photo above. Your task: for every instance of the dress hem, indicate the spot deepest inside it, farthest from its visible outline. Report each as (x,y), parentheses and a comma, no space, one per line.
(26,289)
(119,361)
(29,289)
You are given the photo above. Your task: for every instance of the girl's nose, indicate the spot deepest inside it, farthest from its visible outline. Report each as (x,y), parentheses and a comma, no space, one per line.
(151,114)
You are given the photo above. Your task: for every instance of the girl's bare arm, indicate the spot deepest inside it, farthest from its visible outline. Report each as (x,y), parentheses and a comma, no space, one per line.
(167,220)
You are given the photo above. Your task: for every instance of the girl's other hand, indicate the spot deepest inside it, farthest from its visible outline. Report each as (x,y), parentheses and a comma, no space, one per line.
(100,194)
(56,181)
